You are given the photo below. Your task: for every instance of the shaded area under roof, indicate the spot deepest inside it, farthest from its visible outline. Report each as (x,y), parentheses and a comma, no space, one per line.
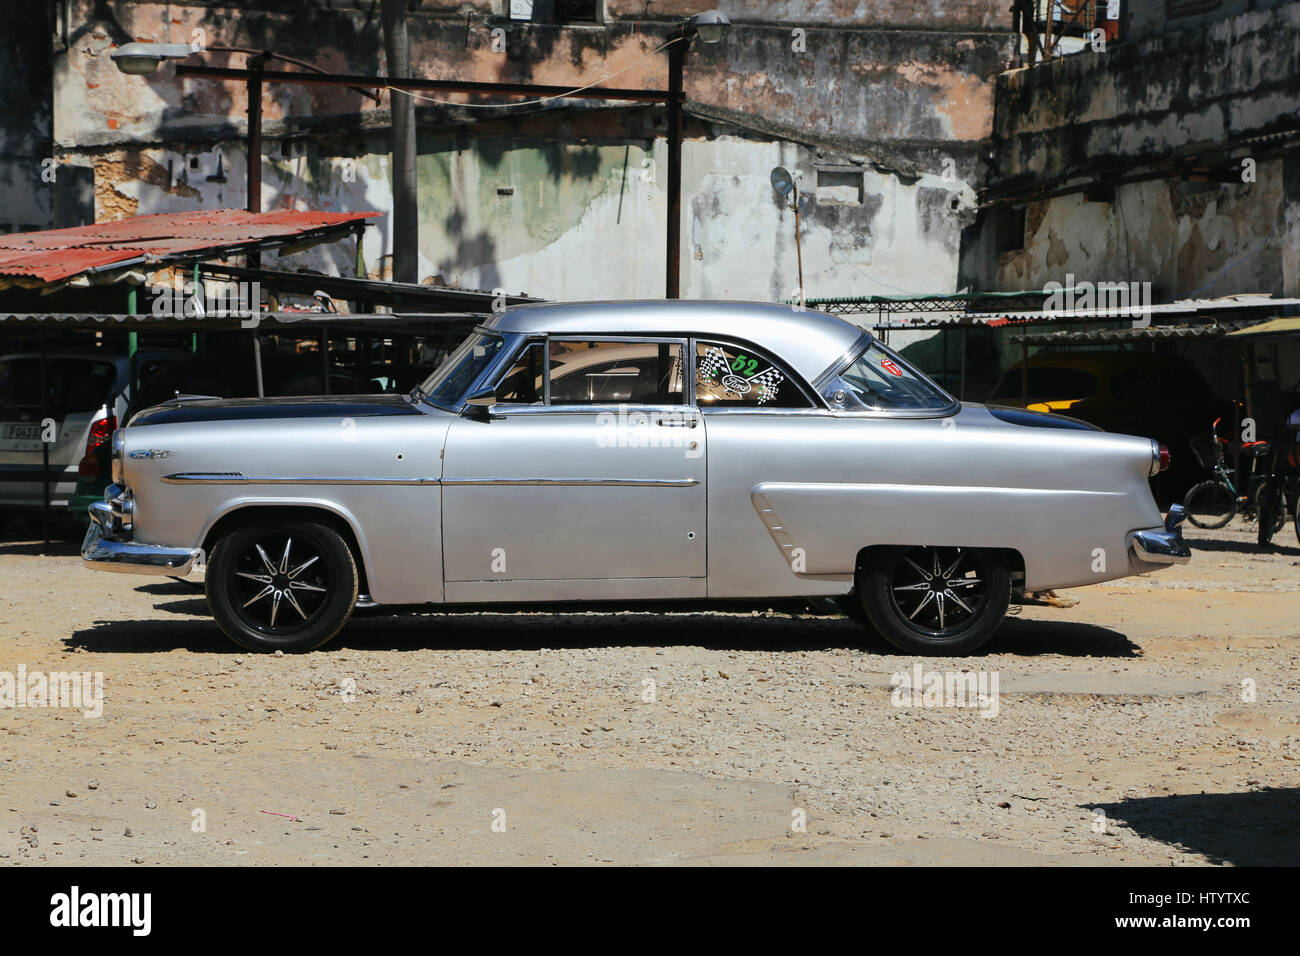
(32,259)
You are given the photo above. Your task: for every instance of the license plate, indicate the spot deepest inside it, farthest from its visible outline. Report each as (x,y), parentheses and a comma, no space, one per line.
(21,432)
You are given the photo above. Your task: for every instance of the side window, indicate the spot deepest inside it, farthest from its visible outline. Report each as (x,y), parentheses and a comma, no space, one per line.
(613,372)
(524,384)
(728,376)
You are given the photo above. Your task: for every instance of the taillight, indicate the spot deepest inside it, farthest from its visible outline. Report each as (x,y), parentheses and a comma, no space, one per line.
(1164,457)
(88,467)
(100,432)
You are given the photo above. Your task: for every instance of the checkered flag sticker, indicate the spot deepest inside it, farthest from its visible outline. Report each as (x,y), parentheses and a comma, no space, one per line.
(711,366)
(715,370)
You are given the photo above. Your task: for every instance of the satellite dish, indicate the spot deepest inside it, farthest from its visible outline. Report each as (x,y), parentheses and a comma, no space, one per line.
(782,181)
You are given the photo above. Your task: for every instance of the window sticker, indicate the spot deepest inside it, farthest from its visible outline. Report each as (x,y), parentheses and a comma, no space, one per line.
(739,377)
(889,366)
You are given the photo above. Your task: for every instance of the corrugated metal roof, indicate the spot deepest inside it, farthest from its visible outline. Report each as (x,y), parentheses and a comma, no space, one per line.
(1145,334)
(52,255)
(1279,327)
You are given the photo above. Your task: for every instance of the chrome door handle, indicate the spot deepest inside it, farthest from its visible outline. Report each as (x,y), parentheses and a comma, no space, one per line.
(675,422)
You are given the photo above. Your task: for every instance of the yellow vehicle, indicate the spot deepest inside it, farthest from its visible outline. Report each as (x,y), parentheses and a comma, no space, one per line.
(1155,395)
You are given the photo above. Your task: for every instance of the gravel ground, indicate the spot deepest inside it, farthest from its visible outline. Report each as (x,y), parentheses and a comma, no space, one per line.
(1121,733)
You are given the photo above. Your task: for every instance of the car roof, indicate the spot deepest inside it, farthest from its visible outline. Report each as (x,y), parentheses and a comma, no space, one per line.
(808,341)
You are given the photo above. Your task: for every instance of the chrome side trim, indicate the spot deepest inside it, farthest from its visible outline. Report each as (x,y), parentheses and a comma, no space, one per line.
(580,482)
(626,408)
(236,478)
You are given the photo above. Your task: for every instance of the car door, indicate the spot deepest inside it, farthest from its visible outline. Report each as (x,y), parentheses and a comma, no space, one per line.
(585,481)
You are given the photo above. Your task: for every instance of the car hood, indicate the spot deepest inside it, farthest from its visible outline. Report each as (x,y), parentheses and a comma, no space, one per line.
(255,409)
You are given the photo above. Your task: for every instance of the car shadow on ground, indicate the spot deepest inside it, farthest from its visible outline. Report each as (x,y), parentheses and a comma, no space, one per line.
(731,628)
(1242,547)
(55,549)
(1256,828)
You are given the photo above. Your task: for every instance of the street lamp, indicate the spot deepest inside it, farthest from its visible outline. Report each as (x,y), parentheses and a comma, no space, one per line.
(786,186)
(142,59)
(708,27)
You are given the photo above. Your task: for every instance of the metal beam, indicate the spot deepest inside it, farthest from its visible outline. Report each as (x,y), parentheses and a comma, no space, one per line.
(434,86)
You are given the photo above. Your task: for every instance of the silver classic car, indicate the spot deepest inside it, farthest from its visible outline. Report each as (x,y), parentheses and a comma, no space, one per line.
(616,452)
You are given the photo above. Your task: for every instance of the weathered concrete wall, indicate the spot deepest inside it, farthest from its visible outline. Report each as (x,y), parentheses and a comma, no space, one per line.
(1149,18)
(1186,239)
(571,204)
(1108,114)
(579,211)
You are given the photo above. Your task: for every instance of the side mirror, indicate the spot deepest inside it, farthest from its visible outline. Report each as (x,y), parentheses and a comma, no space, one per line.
(478,403)
(482,398)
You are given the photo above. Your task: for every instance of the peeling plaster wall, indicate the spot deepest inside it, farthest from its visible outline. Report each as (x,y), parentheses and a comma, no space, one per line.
(1202,95)
(902,92)
(1147,102)
(1229,239)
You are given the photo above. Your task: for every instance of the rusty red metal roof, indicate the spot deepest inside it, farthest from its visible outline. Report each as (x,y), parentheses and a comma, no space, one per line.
(53,255)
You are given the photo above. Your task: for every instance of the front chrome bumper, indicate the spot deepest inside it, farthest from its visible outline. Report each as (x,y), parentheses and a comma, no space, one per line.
(108,545)
(1162,545)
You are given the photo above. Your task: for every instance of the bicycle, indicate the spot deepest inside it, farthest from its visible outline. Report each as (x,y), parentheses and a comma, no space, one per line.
(1279,492)
(1214,502)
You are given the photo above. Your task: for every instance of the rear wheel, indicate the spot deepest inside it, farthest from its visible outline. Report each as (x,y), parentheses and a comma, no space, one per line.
(1210,504)
(942,601)
(1272,512)
(288,586)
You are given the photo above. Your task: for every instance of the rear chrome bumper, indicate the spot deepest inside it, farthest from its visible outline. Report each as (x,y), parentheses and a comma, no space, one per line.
(1162,545)
(108,545)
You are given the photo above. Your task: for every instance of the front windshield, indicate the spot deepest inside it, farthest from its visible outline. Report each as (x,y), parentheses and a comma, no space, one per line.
(880,381)
(448,385)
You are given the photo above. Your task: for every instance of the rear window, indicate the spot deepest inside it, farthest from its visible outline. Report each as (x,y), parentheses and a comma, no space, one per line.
(72,385)
(1047,384)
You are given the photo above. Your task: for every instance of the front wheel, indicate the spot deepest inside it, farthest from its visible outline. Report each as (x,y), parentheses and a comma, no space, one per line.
(940,601)
(1210,504)
(283,586)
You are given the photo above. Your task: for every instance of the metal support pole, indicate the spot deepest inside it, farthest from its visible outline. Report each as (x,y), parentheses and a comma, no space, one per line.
(257,363)
(676,68)
(254,91)
(45,449)
(325,359)
(1024,372)
(798,242)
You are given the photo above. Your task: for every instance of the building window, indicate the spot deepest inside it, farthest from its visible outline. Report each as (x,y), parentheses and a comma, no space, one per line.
(557,11)
(1009,228)
(842,186)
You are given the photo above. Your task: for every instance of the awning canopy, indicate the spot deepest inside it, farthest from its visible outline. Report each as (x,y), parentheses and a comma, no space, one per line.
(1272,329)
(1150,333)
(104,250)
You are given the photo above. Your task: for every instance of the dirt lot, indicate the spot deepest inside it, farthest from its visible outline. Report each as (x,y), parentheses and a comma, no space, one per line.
(1121,734)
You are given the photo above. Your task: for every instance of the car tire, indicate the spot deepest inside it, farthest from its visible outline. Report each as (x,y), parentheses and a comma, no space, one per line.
(282,585)
(967,597)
